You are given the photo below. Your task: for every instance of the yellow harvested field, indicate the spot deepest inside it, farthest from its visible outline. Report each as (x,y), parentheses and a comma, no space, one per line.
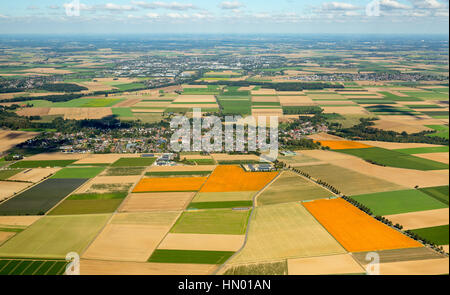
(227,157)
(195,98)
(131,237)
(34,175)
(291,93)
(296,100)
(264,92)
(392,125)
(81,113)
(343,144)
(202,242)
(332,102)
(145,202)
(8,189)
(9,139)
(18,220)
(128,102)
(115,80)
(181,168)
(324,136)
(148,110)
(417,267)
(325,265)
(27,112)
(194,157)
(421,219)
(345,110)
(446,248)
(102,158)
(196,105)
(4,236)
(264,99)
(285,231)
(56,156)
(438,157)
(47,71)
(278,112)
(94,86)
(195,86)
(396,145)
(98,267)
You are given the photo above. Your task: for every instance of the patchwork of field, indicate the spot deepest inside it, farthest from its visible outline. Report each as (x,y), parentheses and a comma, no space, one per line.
(171,184)
(131,236)
(146,202)
(291,187)
(285,231)
(355,230)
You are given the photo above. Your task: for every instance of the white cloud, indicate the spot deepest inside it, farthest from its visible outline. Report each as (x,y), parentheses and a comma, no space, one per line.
(116,7)
(392,4)
(164,5)
(231,5)
(429,4)
(339,6)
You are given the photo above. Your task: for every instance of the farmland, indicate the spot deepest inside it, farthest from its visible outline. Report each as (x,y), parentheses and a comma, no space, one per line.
(87,162)
(291,187)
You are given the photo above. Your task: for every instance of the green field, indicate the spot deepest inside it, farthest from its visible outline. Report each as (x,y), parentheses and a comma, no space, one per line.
(235,106)
(218,205)
(397,202)
(392,158)
(190,256)
(89,172)
(439,235)
(32,267)
(425,150)
(101,102)
(291,187)
(68,234)
(178,173)
(438,192)
(5,174)
(427,95)
(441,131)
(89,204)
(213,221)
(199,162)
(133,162)
(124,171)
(42,164)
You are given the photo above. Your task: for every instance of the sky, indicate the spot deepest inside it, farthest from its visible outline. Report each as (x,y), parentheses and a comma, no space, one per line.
(421,17)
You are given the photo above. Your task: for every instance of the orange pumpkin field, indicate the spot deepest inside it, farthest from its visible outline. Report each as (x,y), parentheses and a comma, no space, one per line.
(230,178)
(169,184)
(343,145)
(355,230)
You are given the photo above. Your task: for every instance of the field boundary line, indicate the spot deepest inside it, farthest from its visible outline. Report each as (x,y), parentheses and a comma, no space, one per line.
(252,213)
(108,222)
